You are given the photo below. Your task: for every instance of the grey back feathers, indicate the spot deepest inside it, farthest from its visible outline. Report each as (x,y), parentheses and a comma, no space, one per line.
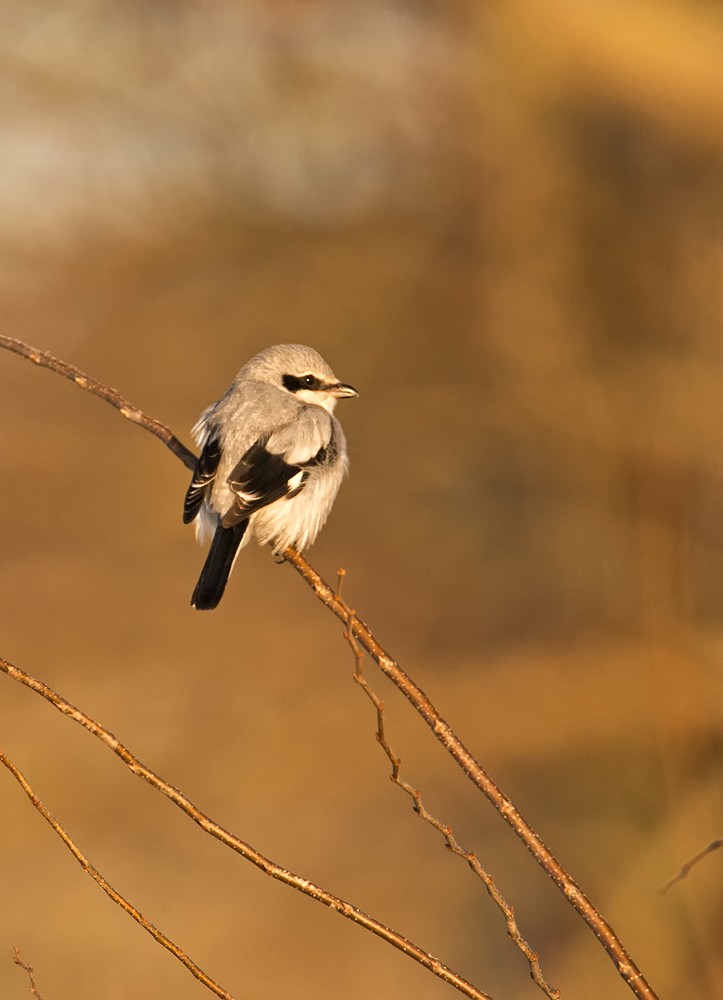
(272,461)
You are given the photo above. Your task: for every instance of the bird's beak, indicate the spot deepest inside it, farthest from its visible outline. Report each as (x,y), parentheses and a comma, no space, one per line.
(339,390)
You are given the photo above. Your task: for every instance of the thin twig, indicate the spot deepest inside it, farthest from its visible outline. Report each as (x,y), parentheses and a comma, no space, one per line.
(29,970)
(513,930)
(108,888)
(245,850)
(683,873)
(444,732)
(128,410)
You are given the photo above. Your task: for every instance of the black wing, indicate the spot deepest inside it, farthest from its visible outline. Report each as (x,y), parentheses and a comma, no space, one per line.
(260,478)
(204,475)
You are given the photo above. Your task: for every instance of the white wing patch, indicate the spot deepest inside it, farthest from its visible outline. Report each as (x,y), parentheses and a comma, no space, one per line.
(295,481)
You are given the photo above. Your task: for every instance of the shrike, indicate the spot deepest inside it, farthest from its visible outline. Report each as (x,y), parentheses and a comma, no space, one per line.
(272,461)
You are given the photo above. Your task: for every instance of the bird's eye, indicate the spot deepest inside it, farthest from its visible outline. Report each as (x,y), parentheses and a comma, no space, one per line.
(295,382)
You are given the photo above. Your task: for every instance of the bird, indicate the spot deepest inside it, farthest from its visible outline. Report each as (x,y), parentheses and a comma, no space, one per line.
(273,456)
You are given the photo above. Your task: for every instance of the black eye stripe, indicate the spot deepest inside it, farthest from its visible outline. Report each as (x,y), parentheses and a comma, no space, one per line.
(294,382)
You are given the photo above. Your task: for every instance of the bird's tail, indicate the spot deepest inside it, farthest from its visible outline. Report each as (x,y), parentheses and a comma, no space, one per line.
(214,575)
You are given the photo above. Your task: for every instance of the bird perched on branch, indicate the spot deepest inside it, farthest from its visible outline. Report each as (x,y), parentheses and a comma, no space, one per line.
(272,461)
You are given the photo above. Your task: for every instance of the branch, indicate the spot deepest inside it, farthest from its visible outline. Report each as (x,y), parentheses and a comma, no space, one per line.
(245,850)
(683,873)
(127,410)
(29,970)
(444,733)
(513,930)
(107,888)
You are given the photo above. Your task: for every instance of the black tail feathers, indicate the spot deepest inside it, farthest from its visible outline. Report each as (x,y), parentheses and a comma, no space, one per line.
(214,575)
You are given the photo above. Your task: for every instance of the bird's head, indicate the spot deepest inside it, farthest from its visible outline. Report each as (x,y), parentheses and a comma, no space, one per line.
(300,371)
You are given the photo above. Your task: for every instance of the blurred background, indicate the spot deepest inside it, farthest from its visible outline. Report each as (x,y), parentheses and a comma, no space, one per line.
(504,224)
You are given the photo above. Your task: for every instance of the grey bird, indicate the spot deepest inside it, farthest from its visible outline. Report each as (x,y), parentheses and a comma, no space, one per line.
(273,456)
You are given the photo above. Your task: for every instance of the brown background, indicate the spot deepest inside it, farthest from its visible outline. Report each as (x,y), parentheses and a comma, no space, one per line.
(504,225)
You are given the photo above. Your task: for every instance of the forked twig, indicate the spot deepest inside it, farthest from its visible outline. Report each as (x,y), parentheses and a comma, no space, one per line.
(107,888)
(29,970)
(441,729)
(513,930)
(245,850)
(476,773)
(683,873)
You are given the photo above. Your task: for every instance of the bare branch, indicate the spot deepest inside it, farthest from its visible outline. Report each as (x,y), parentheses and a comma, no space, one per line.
(444,733)
(108,888)
(683,873)
(446,831)
(128,410)
(245,850)
(29,970)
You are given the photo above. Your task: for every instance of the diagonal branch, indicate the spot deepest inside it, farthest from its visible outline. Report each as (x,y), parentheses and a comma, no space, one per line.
(684,871)
(127,410)
(513,930)
(245,850)
(444,733)
(107,888)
